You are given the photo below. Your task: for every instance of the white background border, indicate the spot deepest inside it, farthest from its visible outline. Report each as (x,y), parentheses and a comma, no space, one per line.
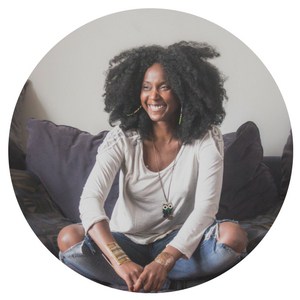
(29,29)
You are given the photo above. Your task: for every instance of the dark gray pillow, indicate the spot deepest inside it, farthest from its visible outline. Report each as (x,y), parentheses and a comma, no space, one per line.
(286,166)
(248,185)
(62,157)
(16,156)
(18,123)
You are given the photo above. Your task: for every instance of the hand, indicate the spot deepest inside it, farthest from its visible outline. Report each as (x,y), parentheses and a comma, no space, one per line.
(130,272)
(152,278)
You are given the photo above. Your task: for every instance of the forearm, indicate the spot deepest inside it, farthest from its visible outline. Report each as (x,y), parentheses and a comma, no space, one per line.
(168,257)
(174,252)
(102,236)
(155,273)
(125,268)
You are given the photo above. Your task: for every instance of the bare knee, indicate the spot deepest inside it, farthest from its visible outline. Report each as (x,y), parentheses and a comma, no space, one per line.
(232,235)
(69,236)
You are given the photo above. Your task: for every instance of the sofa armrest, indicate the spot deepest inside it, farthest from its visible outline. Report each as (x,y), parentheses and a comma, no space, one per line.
(43,216)
(274,163)
(31,194)
(259,226)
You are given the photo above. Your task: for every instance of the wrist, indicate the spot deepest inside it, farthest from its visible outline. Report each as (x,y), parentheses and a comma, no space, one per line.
(118,256)
(165,259)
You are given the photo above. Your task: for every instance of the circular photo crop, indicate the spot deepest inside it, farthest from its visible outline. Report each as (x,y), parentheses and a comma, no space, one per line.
(150,156)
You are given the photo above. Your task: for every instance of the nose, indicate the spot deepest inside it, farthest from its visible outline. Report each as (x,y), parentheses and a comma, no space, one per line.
(154,95)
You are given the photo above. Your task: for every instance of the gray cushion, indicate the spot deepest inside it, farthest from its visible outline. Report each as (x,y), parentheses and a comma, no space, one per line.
(62,157)
(286,166)
(248,188)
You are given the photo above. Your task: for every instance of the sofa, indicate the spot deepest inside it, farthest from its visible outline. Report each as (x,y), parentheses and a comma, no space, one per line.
(49,174)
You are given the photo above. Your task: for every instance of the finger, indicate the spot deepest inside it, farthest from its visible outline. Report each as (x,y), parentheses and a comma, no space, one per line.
(129,282)
(135,278)
(129,285)
(154,285)
(159,285)
(149,283)
(138,285)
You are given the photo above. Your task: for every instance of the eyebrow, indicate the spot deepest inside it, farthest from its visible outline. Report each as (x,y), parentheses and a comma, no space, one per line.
(163,82)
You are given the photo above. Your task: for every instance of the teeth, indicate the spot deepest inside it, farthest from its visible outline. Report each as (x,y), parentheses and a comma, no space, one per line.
(155,107)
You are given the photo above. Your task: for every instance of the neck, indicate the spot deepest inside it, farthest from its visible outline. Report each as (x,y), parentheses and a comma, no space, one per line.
(163,132)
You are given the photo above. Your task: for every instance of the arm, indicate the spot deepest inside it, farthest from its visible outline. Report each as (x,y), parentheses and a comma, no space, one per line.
(208,190)
(94,219)
(154,274)
(207,196)
(125,268)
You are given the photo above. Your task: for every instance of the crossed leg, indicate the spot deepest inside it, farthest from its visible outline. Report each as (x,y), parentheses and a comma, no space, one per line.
(232,235)
(69,236)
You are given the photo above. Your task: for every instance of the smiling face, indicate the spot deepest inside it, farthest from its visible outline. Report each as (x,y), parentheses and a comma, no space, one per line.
(157,97)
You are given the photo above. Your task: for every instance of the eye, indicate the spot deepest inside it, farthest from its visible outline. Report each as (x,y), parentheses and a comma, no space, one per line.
(164,87)
(146,87)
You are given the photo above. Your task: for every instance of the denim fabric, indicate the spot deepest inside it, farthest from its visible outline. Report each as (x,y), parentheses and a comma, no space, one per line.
(210,258)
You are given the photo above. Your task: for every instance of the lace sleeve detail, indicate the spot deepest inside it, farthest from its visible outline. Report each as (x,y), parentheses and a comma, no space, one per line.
(218,138)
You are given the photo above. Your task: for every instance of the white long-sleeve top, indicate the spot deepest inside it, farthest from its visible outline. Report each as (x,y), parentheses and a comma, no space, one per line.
(194,192)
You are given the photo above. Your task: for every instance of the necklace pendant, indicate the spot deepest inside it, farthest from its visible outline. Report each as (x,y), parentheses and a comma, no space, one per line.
(167,210)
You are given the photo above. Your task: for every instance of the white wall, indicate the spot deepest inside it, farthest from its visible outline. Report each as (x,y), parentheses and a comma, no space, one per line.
(67,83)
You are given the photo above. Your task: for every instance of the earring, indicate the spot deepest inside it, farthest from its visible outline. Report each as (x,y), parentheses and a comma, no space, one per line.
(180,117)
(129,115)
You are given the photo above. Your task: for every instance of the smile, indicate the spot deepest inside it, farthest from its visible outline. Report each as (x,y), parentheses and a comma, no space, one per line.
(155,107)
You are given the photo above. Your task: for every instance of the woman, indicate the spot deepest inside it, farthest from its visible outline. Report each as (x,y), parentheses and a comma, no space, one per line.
(168,102)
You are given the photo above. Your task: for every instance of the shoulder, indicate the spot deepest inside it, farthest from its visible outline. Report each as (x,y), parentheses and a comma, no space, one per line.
(217,137)
(116,136)
(211,142)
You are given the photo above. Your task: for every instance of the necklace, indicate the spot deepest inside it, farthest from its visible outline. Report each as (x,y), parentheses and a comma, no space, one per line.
(167,207)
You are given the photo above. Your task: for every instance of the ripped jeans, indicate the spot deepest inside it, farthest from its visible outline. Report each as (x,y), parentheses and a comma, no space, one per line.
(209,259)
